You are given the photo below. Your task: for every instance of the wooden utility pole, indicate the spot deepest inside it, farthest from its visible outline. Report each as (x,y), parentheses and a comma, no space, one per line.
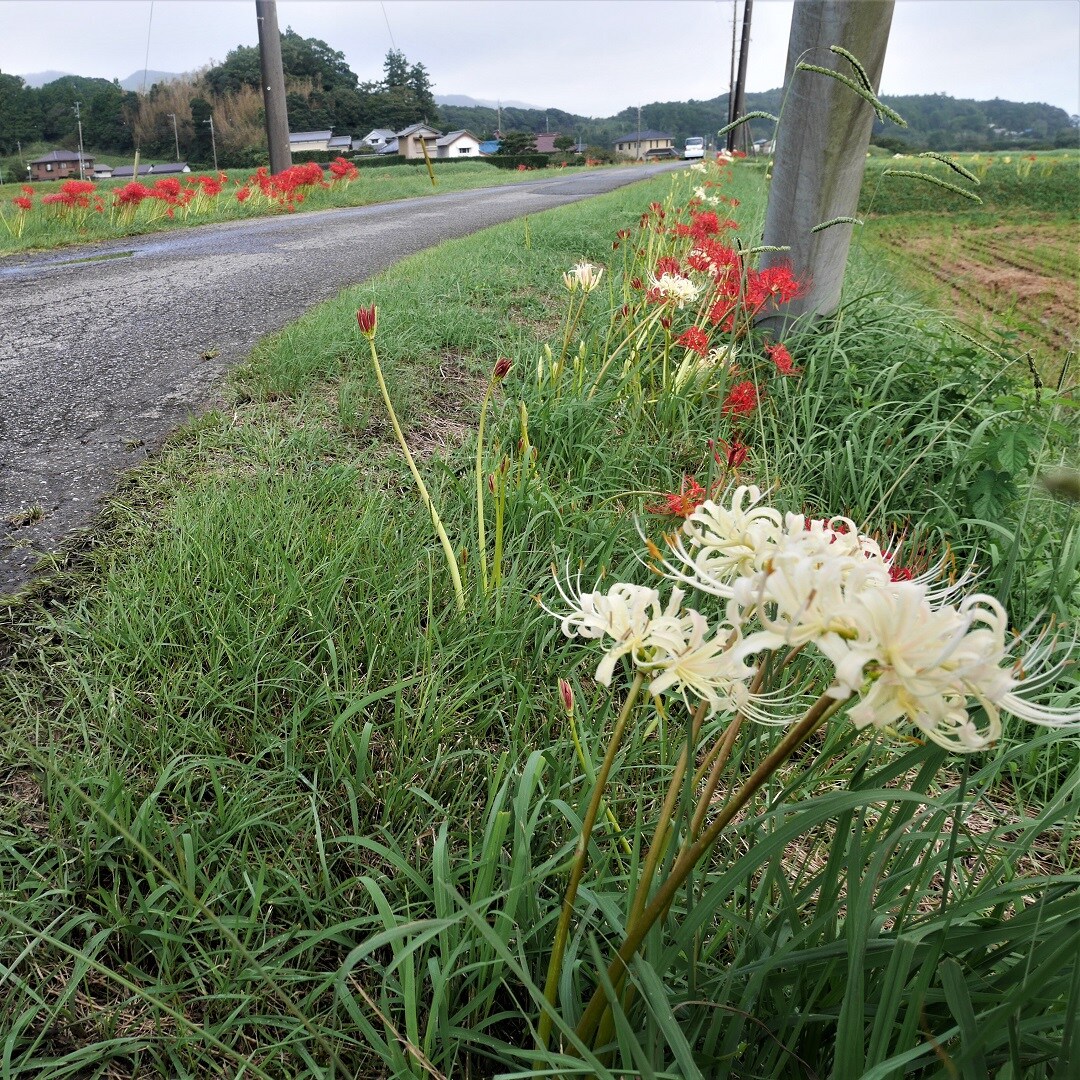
(821,147)
(273,86)
(738,107)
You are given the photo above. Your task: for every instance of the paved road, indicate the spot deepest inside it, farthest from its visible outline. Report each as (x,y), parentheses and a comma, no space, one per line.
(100,358)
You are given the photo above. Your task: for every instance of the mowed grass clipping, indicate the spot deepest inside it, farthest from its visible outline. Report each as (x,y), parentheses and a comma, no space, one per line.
(271,808)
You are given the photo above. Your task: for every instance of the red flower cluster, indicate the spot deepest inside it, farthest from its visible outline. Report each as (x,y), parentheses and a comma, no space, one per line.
(741,399)
(74,194)
(779,355)
(695,339)
(287,188)
(341,169)
(681,503)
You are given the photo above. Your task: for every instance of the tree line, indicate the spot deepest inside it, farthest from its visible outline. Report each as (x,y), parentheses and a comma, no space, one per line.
(323,92)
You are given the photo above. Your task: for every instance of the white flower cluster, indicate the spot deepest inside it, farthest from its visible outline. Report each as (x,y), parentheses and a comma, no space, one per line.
(674,288)
(584,276)
(704,196)
(909,653)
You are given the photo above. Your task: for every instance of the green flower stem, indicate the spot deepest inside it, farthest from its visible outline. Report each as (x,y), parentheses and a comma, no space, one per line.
(663,823)
(481,539)
(637,333)
(562,932)
(598,1005)
(451,558)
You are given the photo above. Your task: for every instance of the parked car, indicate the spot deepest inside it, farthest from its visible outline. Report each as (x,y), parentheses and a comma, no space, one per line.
(694,148)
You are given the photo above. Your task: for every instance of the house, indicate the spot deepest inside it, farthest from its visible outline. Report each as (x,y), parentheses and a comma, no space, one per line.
(457,144)
(60,165)
(340,144)
(377,138)
(127,172)
(390,148)
(170,167)
(545,144)
(102,172)
(415,138)
(646,144)
(309,141)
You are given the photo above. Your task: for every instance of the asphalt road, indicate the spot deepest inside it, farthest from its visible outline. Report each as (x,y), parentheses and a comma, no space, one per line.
(101,352)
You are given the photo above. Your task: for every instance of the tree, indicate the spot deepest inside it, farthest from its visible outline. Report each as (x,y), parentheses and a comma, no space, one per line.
(395,70)
(20,116)
(564,142)
(420,84)
(515,143)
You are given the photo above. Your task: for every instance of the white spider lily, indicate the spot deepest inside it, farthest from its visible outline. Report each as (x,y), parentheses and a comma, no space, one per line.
(584,276)
(674,289)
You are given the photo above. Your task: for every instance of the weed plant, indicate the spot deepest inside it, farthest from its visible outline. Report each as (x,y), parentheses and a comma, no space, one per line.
(274,808)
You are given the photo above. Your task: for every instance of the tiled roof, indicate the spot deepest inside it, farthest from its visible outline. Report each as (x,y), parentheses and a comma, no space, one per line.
(309,136)
(643,136)
(60,155)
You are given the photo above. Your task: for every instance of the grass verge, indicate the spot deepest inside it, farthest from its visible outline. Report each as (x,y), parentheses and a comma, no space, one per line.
(271,808)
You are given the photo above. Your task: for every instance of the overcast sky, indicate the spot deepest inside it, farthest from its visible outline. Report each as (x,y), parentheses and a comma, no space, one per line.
(591,57)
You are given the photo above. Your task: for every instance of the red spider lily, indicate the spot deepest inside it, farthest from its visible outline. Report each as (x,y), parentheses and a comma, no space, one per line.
(683,230)
(667,265)
(681,503)
(566,692)
(734,453)
(665,322)
(243,194)
(27,189)
(131,194)
(776,285)
(705,224)
(695,339)
(741,399)
(502,368)
(23,202)
(622,234)
(779,355)
(72,194)
(341,169)
(637,284)
(211,186)
(368,319)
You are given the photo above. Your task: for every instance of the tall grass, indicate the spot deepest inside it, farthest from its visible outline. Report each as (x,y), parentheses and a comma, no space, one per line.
(272,808)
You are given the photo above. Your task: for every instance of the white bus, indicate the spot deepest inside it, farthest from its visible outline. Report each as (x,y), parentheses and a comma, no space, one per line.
(695,148)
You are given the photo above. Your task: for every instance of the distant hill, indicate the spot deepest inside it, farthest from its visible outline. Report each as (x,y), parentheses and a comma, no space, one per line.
(37,79)
(136,80)
(464,101)
(935,122)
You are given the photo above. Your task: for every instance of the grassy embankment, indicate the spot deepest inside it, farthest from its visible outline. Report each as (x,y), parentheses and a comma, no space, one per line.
(273,807)
(44,227)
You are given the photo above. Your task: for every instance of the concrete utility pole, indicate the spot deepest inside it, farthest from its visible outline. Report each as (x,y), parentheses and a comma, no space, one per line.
(213,139)
(821,147)
(273,86)
(176,137)
(741,133)
(78,120)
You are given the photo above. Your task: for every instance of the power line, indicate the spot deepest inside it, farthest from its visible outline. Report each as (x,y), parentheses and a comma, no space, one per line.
(393,43)
(146,58)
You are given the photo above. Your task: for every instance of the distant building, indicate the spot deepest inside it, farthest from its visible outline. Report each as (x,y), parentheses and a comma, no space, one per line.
(340,144)
(457,144)
(60,165)
(415,138)
(377,139)
(309,141)
(388,148)
(489,147)
(646,144)
(170,167)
